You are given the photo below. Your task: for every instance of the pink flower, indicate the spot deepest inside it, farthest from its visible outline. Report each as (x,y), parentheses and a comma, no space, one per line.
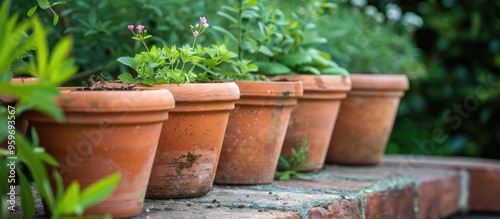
(203,20)
(195,33)
(140,28)
(130,27)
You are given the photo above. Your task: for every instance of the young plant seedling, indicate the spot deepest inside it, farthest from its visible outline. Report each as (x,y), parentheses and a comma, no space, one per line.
(288,167)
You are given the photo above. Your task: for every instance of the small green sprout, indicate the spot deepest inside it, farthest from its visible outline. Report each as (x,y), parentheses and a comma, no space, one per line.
(290,166)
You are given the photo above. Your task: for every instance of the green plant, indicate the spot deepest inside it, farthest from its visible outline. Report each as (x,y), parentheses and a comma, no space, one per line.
(362,39)
(172,64)
(278,42)
(45,4)
(52,70)
(219,63)
(288,167)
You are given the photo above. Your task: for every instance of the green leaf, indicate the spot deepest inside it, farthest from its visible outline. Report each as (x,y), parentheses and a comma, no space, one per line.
(42,50)
(335,71)
(126,78)
(126,60)
(304,176)
(227,16)
(283,161)
(36,168)
(97,192)
(34,95)
(225,33)
(45,157)
(284,175)
(319,60)
(310,42)
(44,4)
(272,68)
(307,69)
(57,3)
(59,185)
(147,37)
(56,19)
(89,32)
(249,14)
(20,68)
(32,10)
(34,137)
(61,68)
(67,204)
(266,51)
(251,3)
(295,59)
(27,199)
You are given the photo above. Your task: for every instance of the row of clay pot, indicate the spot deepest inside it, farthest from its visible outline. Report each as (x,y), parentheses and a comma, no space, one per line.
(109,131)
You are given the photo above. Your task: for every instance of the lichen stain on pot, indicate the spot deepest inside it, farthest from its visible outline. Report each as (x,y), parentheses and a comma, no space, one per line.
(286,95)
(190,159)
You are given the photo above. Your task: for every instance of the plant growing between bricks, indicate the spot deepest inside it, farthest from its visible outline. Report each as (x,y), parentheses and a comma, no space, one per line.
(288,166)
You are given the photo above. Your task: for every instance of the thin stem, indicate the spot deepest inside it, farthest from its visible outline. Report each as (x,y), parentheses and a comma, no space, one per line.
(143,43)
(240,12)
(194,41)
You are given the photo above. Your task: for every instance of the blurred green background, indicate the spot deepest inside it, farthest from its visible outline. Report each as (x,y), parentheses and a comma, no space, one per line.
(450,50)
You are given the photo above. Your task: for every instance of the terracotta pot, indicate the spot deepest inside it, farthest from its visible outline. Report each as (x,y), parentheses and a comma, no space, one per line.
(106,132)
(314,116)
(256,130)
(6,100)
(191,140)
(366,119)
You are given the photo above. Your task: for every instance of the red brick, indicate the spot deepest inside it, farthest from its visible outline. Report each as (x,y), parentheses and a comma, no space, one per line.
(344,209)
(484,188)
(392,204)
(439,197)
(438,191)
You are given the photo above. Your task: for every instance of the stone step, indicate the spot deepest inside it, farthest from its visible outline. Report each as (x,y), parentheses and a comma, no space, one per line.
(401,187)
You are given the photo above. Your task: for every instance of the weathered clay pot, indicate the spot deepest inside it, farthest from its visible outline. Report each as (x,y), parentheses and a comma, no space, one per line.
(314,116)
(366,119)
(191,140)
(255,132)
(106,132)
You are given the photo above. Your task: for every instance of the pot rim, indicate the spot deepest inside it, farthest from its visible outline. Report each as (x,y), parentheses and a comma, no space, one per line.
(271,88)
(202,92)
(388,82)
(321,83)
(138,99)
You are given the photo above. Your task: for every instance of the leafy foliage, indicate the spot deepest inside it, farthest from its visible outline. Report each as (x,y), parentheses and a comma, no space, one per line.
(278,42)
(52,70)
(45,4)
(97,28)
(184,64)
(288,167)
(159,66)
(362,40)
